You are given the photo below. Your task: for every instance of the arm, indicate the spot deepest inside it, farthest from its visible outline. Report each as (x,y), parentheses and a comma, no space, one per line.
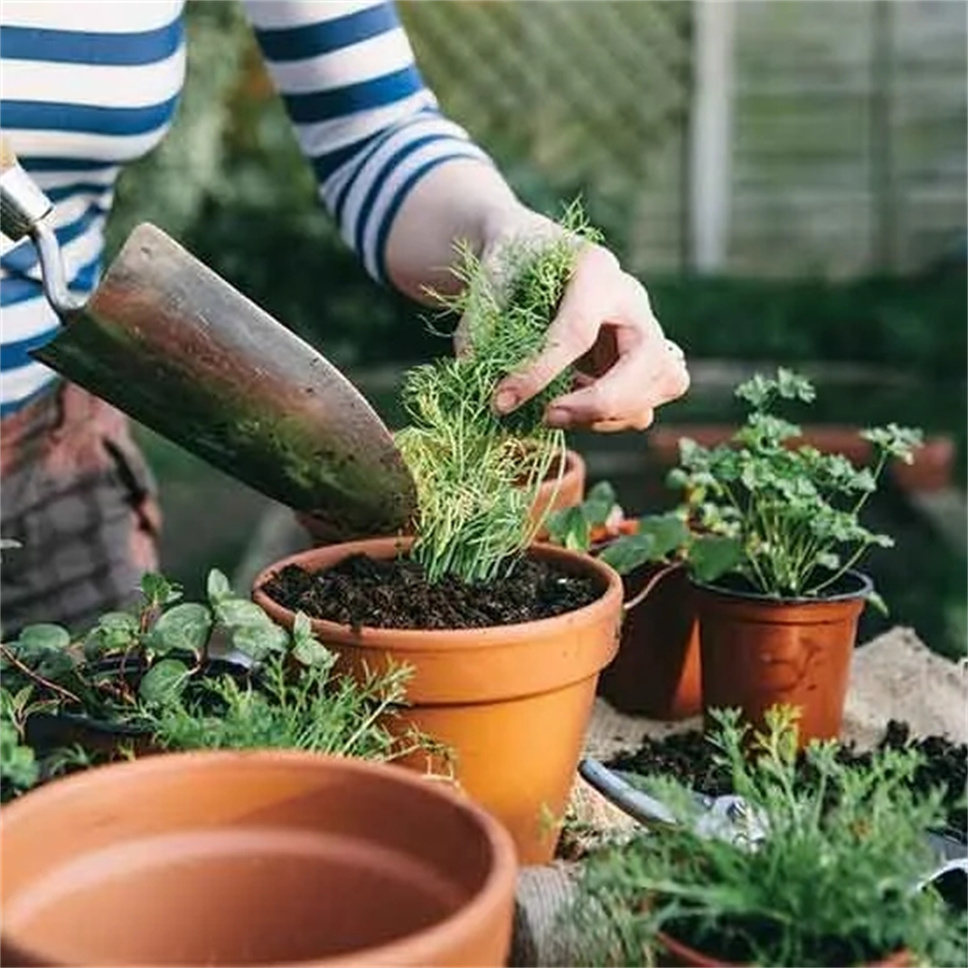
(405,183)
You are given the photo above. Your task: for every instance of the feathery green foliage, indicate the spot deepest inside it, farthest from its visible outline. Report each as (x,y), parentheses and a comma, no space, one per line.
(821,873)
(476,472)
(314,710)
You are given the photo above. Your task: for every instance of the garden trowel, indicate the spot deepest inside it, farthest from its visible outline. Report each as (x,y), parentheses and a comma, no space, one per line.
(167,341)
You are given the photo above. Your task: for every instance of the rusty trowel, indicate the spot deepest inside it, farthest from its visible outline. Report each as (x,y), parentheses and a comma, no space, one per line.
(167,341)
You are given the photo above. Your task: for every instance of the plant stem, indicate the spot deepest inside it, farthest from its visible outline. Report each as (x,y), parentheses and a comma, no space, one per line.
(36,676)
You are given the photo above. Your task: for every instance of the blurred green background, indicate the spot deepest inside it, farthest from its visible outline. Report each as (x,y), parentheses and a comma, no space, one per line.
(840,252)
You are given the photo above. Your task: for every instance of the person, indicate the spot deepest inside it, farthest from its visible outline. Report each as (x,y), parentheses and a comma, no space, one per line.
(90,86)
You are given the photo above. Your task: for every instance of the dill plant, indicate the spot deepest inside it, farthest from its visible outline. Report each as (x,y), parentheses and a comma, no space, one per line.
(477,473)
(823,871)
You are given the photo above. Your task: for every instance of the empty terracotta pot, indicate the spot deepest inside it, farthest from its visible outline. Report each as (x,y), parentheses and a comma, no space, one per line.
(680,954)
(656,671)
(757,652)
(257,858)
(513,701)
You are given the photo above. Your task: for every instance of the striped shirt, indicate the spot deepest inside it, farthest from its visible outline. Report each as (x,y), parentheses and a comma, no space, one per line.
(89,86)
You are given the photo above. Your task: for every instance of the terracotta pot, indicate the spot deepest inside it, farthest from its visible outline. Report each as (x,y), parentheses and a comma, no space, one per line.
(680,954)
(931,470)
(556,494)
(758,651)
(281,858)
(511,701)
(553,495)
(656,672)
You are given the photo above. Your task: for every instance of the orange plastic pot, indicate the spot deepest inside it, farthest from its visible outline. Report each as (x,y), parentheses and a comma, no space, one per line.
(256,858)
(757,652)
(512,702)
(680,954)
(656,672)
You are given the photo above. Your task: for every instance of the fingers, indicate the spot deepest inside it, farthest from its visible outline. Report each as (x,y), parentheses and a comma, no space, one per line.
(588,300)
(650,371)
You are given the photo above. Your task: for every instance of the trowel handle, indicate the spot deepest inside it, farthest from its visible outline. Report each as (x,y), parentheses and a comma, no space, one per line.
(23,210)
(22,204)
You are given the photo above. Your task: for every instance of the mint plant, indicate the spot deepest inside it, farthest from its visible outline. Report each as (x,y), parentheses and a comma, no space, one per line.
(147,655)
(477,473)
(825,872)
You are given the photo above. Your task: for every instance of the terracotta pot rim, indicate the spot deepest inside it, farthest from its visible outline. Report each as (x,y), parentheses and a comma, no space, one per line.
(692,956)
(864,586)
(428,640)
(410,949)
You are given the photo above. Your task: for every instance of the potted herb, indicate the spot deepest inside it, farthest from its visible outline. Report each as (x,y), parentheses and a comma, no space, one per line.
(825,872)
(656,670)
(506,639)
(773,535)
(151,679)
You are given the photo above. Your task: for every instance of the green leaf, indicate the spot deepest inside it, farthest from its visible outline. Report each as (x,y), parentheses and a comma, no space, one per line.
(240,611)
(184,627)
(598,505)
(43,637)
(56,664)
(312,653)
(874,598)
(258,641)
(628,552)
(668,531)
(569,528)
(164,681)
(115,631)
(712,556)
(218,586)
(306,647)
(157,590)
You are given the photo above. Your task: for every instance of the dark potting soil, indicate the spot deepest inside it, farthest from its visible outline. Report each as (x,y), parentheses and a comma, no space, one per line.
(690,758)
(394,593)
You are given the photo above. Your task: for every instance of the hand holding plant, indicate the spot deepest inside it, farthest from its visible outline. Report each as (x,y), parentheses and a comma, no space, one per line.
(477,472)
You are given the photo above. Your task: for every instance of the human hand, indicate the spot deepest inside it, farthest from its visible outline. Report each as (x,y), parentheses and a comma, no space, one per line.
(625,367)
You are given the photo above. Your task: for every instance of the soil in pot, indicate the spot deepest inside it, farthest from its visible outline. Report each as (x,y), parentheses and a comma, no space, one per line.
(393,593)
(252,859)
(689,757)
(509,693)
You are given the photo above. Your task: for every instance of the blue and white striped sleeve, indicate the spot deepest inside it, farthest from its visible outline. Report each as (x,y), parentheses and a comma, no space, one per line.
(362,113)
